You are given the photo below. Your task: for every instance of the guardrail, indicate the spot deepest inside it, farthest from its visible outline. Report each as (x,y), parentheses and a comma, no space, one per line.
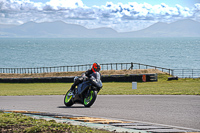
(107,66)
(104,78)
(186,73)
(182,73)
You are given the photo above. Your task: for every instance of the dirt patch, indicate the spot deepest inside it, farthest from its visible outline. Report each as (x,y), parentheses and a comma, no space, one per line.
(67,74)
(135,71)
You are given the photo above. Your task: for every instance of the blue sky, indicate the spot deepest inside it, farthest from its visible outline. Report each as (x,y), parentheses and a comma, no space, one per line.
(188,3)
(123,16)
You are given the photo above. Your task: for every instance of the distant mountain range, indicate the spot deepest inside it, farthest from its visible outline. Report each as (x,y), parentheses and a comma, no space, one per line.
(59,29)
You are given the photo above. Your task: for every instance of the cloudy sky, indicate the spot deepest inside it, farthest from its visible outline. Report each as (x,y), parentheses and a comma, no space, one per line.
(121,15)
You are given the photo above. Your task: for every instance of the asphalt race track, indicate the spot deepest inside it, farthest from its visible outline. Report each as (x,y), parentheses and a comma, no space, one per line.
(175,110)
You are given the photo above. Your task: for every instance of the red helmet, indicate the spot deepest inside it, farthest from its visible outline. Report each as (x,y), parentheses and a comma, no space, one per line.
(96,67)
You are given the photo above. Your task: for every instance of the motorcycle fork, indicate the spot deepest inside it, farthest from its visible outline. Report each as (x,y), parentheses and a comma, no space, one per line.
(88,92)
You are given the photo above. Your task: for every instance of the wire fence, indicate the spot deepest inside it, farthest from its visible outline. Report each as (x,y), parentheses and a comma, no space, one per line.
(107,66)
(182,73)
(186,73)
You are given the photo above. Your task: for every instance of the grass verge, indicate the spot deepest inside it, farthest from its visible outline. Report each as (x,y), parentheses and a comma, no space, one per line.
(162,87)
(13,122)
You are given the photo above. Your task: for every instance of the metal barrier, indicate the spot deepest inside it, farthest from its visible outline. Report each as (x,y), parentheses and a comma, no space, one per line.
(104,78)
(107,66)
(182,73)
(186,73)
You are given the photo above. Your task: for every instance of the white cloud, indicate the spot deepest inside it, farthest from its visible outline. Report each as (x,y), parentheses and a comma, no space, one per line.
(64,4)
(122,17)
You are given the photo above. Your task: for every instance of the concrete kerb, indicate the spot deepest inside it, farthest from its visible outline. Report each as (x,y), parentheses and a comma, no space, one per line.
(91,125)
(117,125)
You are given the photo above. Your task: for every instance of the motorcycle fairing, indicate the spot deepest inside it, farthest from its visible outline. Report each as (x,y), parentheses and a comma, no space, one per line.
(82,87)
(94,83)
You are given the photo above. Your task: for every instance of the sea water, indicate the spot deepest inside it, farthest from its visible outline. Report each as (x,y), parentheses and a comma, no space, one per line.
(173,53)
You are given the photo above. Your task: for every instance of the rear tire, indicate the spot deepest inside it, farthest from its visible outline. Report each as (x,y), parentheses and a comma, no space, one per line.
(88,101)
(68,100)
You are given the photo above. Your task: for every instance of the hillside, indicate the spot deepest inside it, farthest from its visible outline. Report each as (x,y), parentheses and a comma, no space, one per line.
(182,28)
(59,29)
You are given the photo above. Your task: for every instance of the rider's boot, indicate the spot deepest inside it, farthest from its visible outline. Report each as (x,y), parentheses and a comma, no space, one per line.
(74,86)
(72,90)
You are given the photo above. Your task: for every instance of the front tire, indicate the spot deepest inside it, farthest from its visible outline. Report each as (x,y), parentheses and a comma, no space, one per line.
(68,99)
(88,101)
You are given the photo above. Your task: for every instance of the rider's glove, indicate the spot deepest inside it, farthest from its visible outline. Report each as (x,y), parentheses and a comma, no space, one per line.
(84,78)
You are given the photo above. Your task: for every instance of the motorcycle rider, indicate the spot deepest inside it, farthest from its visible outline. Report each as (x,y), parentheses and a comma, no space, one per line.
(95,68)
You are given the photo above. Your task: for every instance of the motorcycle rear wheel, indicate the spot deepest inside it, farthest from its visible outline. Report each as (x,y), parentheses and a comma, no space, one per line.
(88,101)
(68,100)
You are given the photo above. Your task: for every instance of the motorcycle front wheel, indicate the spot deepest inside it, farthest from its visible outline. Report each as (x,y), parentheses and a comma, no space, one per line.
(88,101)
(68,99)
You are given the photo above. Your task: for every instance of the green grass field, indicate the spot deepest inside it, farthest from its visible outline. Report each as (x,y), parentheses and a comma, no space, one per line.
(162,87)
